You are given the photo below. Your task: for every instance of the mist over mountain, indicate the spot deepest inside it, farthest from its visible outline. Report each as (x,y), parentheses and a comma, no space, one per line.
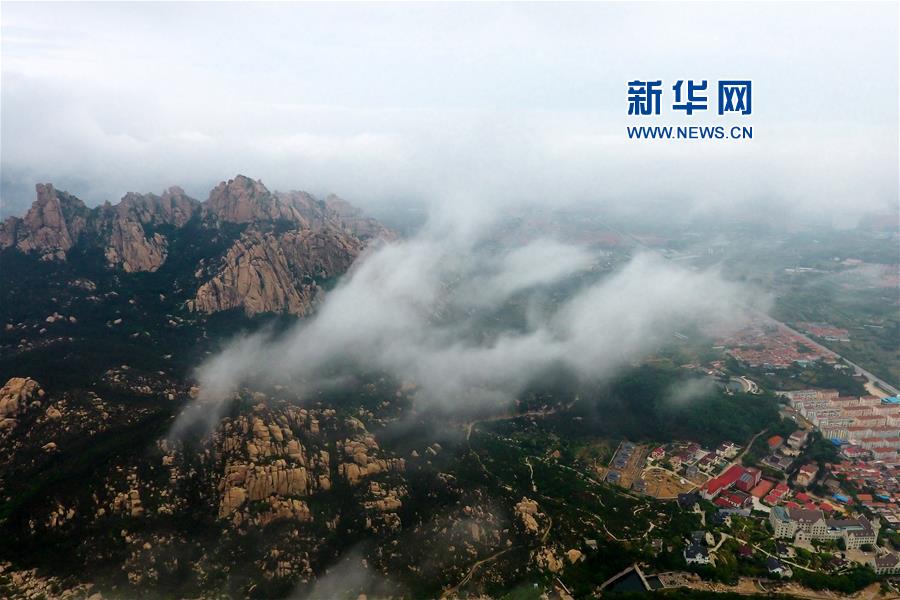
(445,119)
(417,310)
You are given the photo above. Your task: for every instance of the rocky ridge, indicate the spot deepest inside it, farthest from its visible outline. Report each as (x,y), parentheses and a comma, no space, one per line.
(271,494)
(276,457)
(278,247)
(269,272)
(128,228)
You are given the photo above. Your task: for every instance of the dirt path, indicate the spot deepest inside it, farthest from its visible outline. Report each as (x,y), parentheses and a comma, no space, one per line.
(448,593)
(747,448)
(725,536)
(784,560)
(531,474)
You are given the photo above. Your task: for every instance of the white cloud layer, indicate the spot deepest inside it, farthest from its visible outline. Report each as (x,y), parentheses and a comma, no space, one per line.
(515,103)
(416,309)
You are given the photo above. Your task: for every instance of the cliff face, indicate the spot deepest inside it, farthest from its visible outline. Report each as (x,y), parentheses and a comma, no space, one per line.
(269,272)
(128,228)
(280,245)
(336,213)
(50,228)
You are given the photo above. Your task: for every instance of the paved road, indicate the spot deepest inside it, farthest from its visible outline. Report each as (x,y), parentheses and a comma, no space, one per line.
(806,339)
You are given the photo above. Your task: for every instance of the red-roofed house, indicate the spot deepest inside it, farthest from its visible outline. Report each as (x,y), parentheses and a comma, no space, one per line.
(734,499)
(715,485)
(762,488)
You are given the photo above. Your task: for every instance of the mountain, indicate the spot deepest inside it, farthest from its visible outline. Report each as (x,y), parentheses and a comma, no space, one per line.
(282,491)
(104,312)
(270,253)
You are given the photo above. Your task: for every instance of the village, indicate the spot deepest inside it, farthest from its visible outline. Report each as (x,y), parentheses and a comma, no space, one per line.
(776,508)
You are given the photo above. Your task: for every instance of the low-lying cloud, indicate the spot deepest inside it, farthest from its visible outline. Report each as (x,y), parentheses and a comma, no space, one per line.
(386,102)
(687,391)
(435,310)
(351,577)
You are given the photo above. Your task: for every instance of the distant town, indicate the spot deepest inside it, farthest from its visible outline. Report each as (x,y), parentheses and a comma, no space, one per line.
(823,496)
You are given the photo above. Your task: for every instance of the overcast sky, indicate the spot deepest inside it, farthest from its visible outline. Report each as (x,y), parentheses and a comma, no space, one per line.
(433,102)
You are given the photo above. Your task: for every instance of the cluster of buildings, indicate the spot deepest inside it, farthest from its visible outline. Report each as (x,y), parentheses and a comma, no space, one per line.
(825,331)
(794,515)
(731,489)
(799,524)
(772,347)
(691,459)
(620,461)
(867,431)
(804,524)
(740,489)
(867,425)
(743,488)
(623,455)
(876,486)
(783,453)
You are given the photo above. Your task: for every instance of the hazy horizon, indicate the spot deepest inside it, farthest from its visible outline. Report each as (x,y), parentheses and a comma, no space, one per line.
(431,104)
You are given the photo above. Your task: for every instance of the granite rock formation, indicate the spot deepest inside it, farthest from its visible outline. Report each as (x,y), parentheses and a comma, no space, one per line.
(271,253)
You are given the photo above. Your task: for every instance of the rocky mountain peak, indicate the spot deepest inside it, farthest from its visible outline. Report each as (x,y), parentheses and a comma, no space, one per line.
(50,228)
(53,207)
(244,200)
(174,207)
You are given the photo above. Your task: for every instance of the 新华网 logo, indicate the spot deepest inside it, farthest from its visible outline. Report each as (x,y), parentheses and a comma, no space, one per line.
(734,96)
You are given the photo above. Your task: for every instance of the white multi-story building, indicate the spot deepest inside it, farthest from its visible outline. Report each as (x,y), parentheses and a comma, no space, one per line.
(803,524)
(887,564)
